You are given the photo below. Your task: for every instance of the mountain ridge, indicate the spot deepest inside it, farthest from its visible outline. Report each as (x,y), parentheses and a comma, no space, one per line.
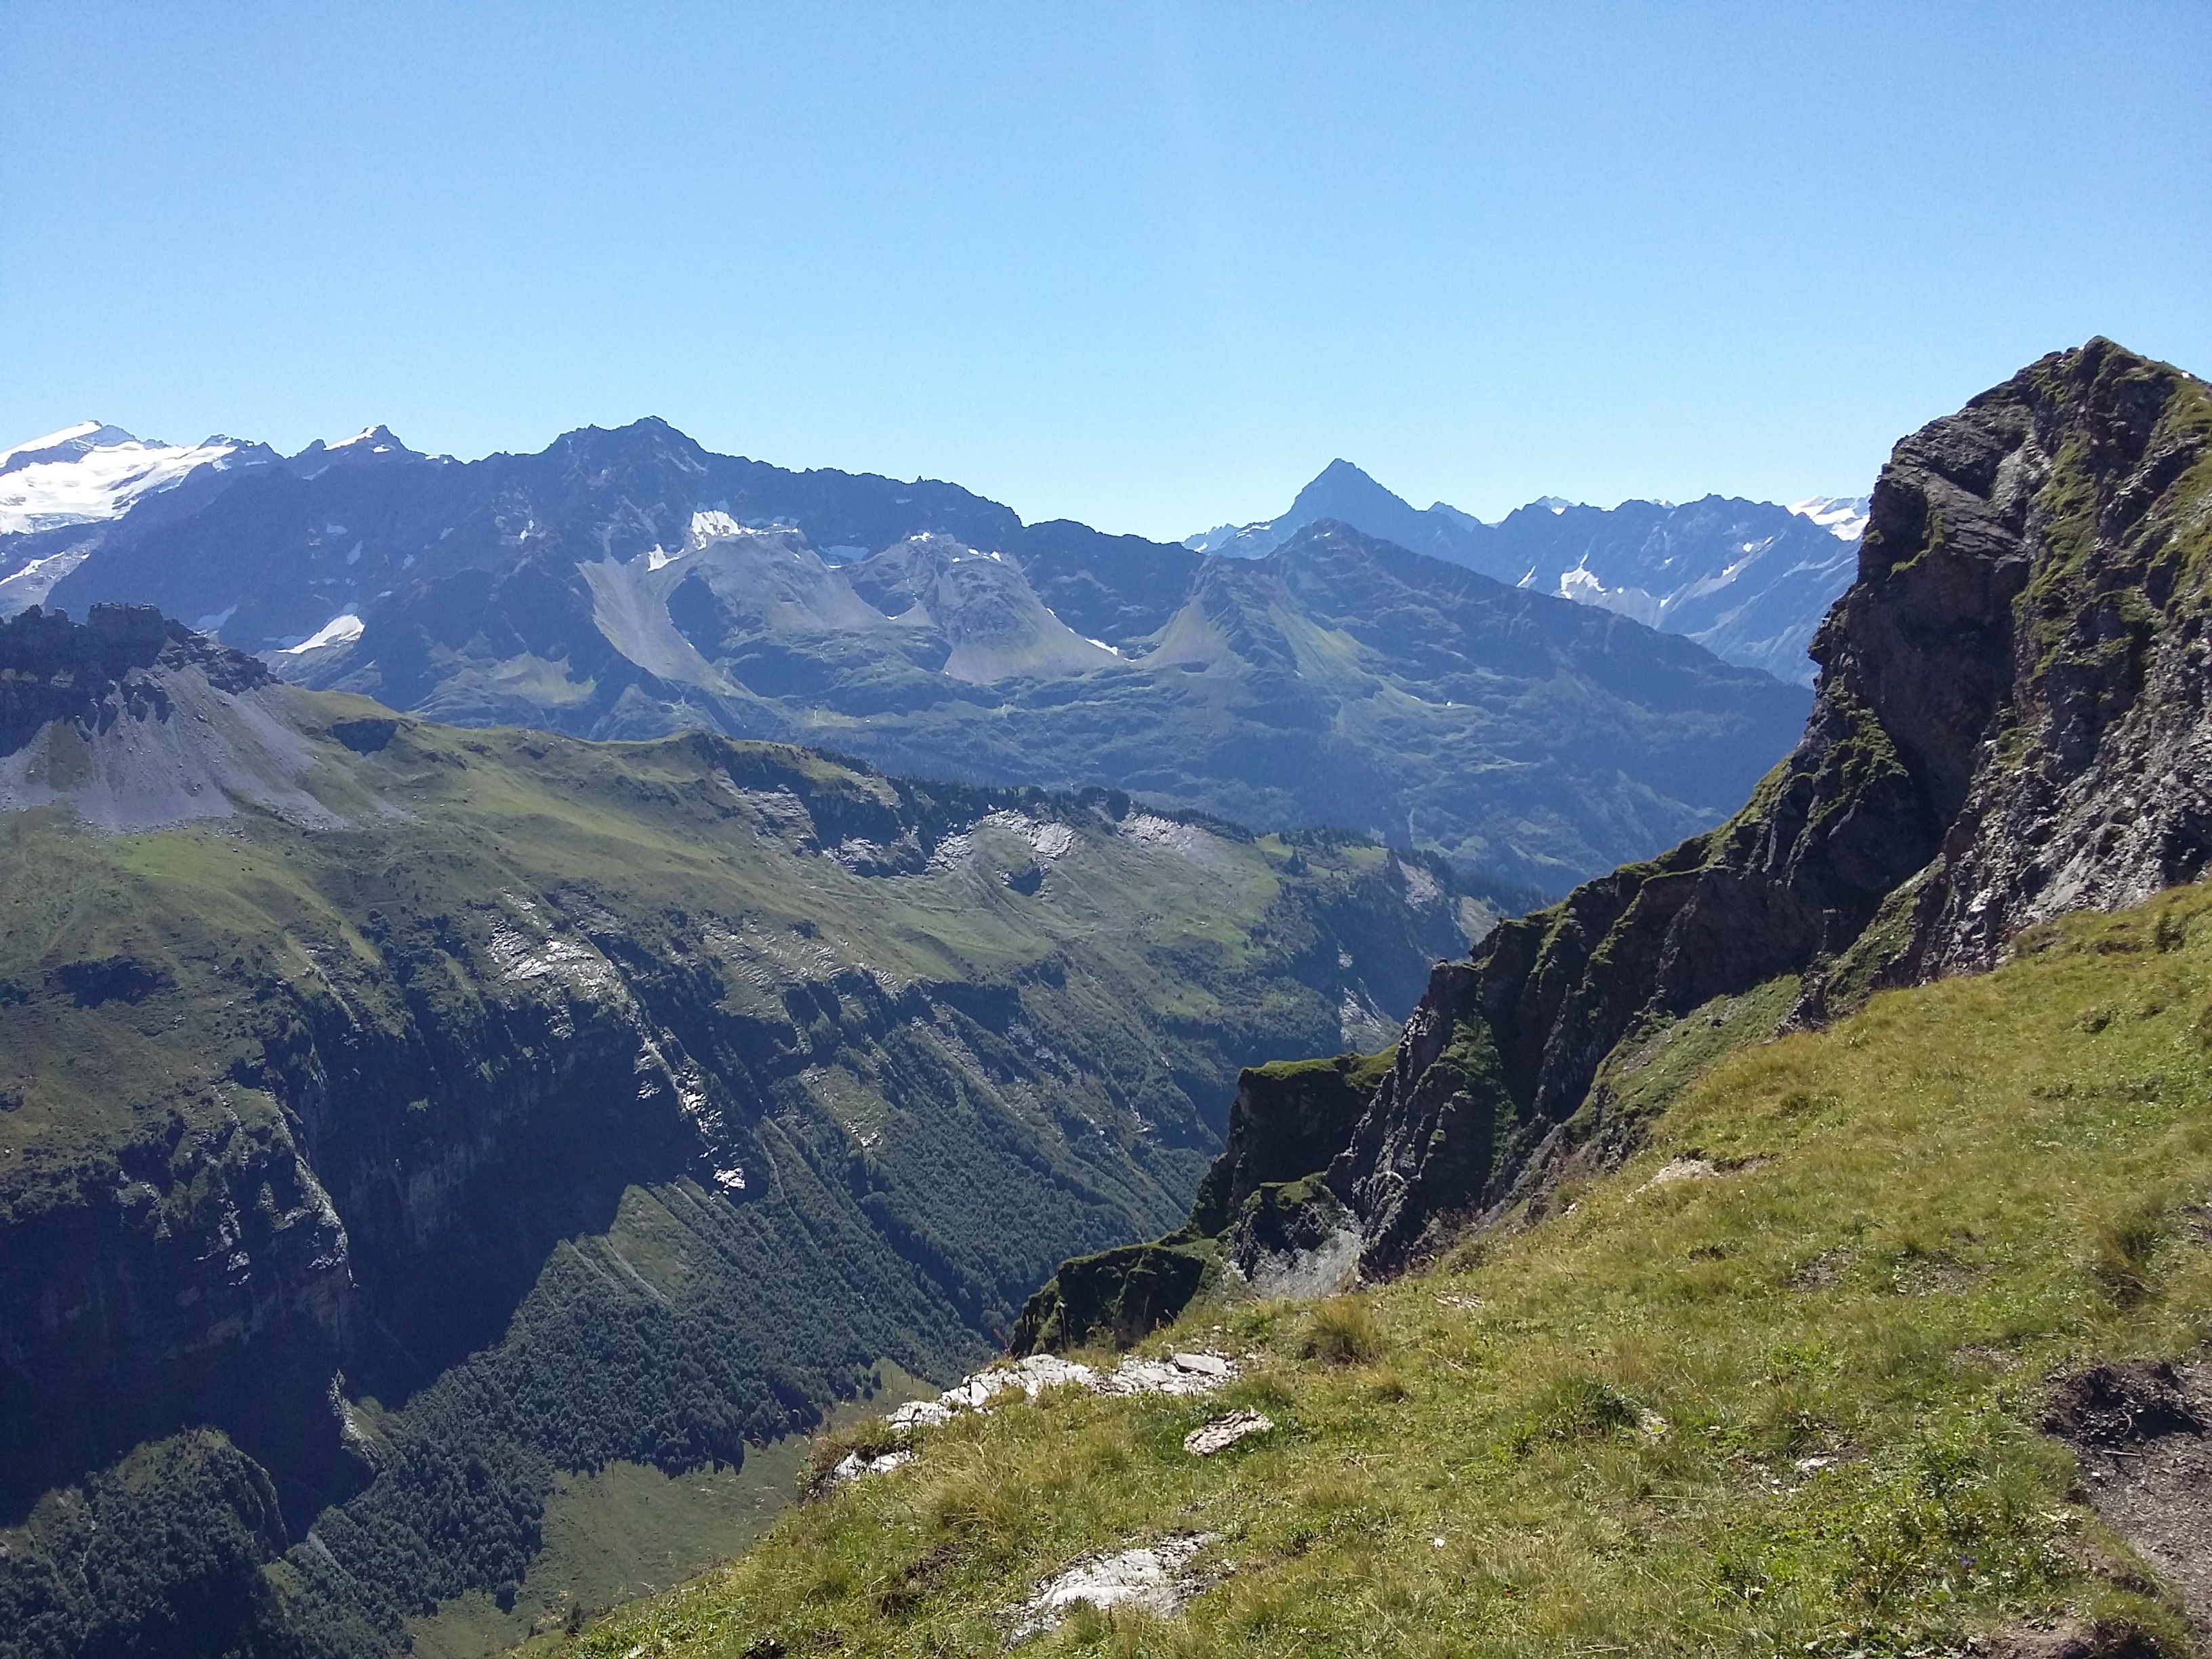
(629,583)
(1749,580)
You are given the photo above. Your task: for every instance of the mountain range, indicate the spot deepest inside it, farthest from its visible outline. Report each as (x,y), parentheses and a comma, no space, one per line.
(1748,580)
(628,583)
(410,1130)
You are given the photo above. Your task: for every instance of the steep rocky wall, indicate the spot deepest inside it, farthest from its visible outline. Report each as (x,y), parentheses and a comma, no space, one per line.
(2008,723)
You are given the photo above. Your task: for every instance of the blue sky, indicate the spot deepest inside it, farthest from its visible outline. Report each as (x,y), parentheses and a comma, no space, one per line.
(1148,265)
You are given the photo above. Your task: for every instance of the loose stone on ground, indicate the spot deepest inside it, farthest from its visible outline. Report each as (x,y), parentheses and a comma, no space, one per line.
(1223,1432)
(1151,1576)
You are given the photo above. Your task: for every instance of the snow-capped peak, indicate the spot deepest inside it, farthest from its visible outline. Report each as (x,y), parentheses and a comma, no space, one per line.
(378,440)
(1844,516)
(713,525)
(91,472)
(69,441)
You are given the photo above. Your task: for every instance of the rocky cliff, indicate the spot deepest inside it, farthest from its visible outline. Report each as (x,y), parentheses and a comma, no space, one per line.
(2009,723)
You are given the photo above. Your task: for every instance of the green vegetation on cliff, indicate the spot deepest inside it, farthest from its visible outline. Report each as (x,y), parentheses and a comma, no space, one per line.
(497,1107)
(1782,1384)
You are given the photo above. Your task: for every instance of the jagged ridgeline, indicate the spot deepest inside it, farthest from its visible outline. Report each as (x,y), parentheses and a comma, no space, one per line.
(629,585)
(394,1116)
(2009,725)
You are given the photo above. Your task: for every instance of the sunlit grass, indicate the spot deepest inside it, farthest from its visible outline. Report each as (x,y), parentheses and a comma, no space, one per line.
(1790,1407)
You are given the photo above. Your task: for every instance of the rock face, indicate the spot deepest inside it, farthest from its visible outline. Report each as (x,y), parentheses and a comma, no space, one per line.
(1258,1214)
(2009,723)
(52,669)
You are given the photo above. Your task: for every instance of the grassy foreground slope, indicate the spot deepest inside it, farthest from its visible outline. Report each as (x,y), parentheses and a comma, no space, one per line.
(1776,1385)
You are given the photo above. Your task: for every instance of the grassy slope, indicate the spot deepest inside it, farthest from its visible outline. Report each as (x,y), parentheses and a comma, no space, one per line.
(639,829)
(1595,1435)
(1060,1114)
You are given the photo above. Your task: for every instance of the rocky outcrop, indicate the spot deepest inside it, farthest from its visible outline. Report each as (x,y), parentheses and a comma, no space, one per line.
(2009,724)
(1119,1296)
(1257,1214)
(92,672)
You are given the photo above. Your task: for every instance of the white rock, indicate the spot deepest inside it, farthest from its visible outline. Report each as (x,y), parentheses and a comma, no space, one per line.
(919,1414)
(1223,1432)
(1185,1374)
(1207,1364)
(854,1466)
(1149,1576)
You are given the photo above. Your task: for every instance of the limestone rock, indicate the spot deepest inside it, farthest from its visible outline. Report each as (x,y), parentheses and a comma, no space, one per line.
(1224,1431)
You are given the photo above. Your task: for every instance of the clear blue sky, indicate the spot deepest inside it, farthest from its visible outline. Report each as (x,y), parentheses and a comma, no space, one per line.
(1150,265)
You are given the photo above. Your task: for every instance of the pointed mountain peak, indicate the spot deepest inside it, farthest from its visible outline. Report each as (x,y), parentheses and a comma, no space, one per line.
(1340,486)
(1344,492)
(373,443)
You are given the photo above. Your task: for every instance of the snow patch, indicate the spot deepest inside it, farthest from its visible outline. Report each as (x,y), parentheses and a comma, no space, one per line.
(342,629)
(1581,585)
(711,527)
(72,476)
(51,441)
(1844,516)
(30,586)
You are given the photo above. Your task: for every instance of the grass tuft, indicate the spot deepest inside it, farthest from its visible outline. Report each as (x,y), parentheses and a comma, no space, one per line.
(1342,1331)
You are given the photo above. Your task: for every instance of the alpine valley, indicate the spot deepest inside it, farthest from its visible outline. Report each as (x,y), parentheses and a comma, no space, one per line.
(398,1120)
